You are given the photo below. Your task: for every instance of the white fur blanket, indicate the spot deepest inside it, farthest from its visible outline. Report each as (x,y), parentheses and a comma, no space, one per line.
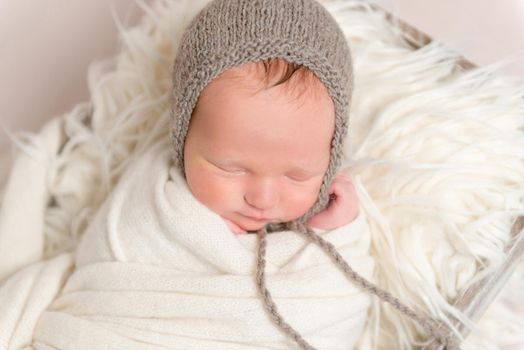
(437,155)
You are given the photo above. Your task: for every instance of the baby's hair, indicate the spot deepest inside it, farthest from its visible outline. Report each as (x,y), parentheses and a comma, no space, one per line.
(298,80)
(284,71)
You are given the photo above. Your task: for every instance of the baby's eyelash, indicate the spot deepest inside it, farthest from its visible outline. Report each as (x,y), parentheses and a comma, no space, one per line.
(298,178)
(230,171)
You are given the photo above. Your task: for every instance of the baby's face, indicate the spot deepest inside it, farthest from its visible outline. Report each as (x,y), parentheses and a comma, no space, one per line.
(255,158)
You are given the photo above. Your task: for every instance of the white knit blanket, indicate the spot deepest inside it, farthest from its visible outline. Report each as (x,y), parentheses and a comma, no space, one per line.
(156,269)
(436,153)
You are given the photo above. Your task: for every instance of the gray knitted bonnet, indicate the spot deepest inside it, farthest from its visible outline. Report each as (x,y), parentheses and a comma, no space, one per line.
(229,33)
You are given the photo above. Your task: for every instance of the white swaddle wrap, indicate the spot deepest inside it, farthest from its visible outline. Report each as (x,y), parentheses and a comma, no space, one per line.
(158,269)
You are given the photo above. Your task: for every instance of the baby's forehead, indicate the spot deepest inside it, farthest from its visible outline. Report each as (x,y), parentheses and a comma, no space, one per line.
(264,103)
(240,108)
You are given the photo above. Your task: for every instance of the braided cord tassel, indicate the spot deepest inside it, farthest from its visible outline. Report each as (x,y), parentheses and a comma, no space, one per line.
(269,304)
(445,339)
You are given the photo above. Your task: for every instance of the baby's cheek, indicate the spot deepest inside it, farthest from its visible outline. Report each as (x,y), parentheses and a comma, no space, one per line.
(301,200)
(211,190)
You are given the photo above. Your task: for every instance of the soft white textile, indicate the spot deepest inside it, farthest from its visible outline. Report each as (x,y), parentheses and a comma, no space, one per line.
(26,294)
(156,269)
(22,205)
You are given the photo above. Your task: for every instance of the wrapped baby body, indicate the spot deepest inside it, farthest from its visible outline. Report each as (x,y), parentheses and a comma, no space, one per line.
(157,269)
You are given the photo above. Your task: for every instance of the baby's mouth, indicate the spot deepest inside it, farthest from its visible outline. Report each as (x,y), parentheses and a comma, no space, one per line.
(259,219)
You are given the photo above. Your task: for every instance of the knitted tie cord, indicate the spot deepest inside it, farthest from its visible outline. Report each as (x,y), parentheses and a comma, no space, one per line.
(441,336)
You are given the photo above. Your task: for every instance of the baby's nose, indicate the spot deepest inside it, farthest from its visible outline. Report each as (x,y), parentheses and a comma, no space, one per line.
(262,195)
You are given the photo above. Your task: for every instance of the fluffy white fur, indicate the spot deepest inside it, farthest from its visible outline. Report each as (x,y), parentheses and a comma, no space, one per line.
(438,151)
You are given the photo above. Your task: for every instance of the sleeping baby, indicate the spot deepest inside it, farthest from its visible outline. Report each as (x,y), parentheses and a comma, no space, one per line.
(261,92)
(261,97)
(258,147)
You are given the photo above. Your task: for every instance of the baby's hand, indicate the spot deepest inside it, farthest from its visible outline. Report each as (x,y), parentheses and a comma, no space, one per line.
(342,207)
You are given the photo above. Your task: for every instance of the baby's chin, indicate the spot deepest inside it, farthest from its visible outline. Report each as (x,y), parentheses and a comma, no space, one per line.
(245,224)
(250,226)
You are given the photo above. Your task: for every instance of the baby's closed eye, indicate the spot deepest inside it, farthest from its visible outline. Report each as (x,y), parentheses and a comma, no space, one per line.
(302,175)
(298,177)
(227,168)
(231,169)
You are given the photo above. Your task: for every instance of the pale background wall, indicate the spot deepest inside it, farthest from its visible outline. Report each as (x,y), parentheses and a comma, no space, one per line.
(45,49)
(485,31)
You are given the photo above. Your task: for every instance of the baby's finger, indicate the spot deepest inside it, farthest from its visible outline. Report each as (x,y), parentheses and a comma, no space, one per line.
(339,191)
